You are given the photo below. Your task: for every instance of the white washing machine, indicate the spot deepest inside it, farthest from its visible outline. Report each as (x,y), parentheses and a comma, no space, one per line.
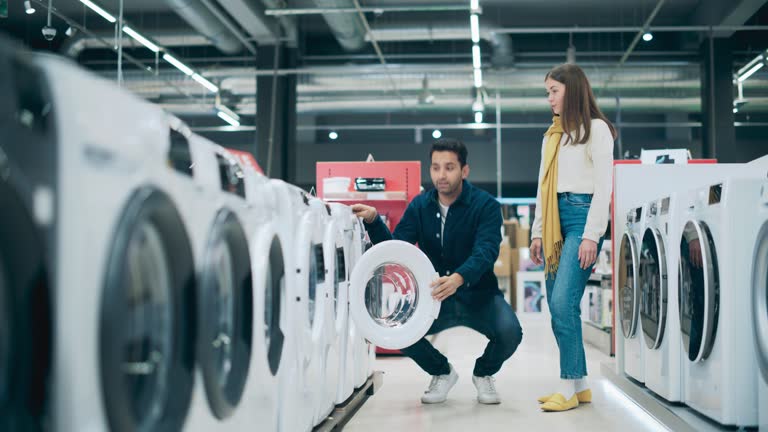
(628,294)
(719,367)
(345,220)
(28,228)
(658,293)
(760,305)
(124,353)
(390,295)
(225,294)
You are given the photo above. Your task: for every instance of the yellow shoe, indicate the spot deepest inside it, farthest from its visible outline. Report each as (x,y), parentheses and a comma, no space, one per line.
(583,396)
(558,403)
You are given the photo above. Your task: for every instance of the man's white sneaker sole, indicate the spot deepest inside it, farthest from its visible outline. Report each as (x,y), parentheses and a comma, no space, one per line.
(434,399)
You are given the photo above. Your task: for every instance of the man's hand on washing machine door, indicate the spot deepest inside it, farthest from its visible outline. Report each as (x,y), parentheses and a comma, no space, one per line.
(366,212)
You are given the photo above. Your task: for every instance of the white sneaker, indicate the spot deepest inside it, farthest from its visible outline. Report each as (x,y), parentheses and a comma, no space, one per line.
(439,387)
(486,390)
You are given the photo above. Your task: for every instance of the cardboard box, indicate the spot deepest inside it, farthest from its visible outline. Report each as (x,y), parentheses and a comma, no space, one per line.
(510,231)
(503,265)
(514,259)
(523,237)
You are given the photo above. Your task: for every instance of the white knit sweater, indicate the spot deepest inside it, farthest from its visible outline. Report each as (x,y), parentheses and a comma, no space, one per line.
(588,169)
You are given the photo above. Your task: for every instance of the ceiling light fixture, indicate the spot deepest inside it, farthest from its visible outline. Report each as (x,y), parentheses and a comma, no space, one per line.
(474,25)
(476,56)
(94,7)
(426,97)
(436,134)
(205,83)
(478,78)
(141,39)
(333,135)
(179,65)
(28,8)
(751,71)
(647,36)
(478,117)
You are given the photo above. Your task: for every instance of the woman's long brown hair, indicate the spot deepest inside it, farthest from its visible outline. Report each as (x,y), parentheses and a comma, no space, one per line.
(580,106)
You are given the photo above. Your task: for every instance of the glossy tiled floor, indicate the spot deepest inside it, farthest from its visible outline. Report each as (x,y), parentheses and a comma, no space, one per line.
(531,372)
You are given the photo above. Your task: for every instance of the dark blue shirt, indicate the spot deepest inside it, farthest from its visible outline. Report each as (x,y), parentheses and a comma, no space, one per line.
(470,246)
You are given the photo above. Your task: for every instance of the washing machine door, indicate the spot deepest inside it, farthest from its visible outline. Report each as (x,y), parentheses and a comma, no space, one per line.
(653,281)
(271,268)
(699,286)
(760,299)
(25,316)
(145,335)
(225,311)
(390,295)
(629,294)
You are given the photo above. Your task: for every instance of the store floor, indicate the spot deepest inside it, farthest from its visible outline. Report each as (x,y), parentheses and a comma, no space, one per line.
(530,373)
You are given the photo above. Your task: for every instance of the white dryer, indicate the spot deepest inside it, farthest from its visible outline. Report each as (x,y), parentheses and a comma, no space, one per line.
(225,297)
(760,305)
(719,366)
(124,352)
(628,295)
(658,294)
(28,172)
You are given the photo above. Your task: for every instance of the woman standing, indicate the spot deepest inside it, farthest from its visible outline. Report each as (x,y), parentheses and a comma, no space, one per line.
(574,194)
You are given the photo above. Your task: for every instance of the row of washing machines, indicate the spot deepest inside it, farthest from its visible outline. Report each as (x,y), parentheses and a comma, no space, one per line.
(693,299)
(149,282)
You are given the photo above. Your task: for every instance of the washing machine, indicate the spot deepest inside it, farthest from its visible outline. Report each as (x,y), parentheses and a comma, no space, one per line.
(719,366)
(336,256)
(28,222)
(760,305)
(123,355)
(657,262)
(296,404)
(628,294)
(225,392)
(345,221)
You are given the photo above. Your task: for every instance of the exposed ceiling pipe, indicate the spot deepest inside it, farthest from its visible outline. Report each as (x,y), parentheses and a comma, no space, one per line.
(201,19)
(346,27)
(227,22)
(250,15)
(288,23)
(74,46)
(502,43)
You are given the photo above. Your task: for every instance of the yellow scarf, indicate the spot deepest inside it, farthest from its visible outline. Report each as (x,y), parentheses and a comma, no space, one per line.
(552,236)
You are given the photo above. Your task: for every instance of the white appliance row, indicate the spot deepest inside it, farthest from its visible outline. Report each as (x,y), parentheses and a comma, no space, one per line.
(691,285)
(150,282)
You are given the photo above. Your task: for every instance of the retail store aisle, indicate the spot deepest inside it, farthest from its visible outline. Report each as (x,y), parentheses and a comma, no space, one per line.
(531,372)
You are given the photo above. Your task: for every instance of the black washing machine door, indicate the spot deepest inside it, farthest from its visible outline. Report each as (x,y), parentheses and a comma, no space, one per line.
(147,329)
(629,294)
(25,316)
(760,299)
(699,288)
(225,312)
(275,307)
(653,281)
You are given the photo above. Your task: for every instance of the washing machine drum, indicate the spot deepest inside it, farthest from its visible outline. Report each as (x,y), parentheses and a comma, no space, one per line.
(146,340)
(699,287)
(629,294)
(25,317)
(390,295)
(653,281)
(225,312)
(760,299)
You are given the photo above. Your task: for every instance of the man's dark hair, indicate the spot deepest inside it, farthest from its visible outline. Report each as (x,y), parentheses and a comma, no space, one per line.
(452,145)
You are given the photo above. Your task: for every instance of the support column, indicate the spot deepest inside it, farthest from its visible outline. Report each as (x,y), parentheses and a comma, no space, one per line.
(276,113)
(718,132)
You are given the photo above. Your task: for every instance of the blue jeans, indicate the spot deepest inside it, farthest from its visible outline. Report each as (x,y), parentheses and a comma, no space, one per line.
(493,317)
(566,287)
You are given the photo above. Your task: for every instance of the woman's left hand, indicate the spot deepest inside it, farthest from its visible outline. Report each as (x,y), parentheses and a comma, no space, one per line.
(587,253)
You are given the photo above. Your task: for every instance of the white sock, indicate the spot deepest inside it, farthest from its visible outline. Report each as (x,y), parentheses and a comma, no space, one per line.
(567,388)
(581,385)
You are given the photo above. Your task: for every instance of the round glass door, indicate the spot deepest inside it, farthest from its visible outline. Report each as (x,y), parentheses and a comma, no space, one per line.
(147,348)
(274,298)
(629,295)
(390,295)
(226,314)
(699,287)
(760,299)
(653,281)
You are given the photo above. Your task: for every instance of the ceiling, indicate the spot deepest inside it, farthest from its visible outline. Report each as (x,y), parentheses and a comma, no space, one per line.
(660,76)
